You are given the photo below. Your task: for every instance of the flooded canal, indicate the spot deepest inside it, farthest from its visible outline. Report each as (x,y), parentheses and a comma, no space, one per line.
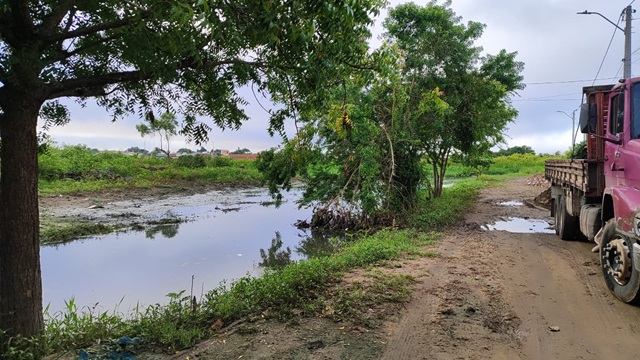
(219,241)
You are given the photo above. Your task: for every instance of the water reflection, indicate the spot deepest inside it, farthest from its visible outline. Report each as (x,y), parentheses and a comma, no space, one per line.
(213,246)
(275,257)
(318,244)
(167,230)
(144,266)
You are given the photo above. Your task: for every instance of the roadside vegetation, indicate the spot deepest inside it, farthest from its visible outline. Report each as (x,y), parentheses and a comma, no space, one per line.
(74,169)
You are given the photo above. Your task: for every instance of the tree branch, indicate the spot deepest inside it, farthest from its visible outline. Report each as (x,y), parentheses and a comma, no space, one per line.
(56,16)
(20,15)
(80,92)
(89,86)
(98,27)
(67,54)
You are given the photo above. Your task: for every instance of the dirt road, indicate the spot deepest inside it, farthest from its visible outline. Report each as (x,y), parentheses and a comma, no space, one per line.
(498,295)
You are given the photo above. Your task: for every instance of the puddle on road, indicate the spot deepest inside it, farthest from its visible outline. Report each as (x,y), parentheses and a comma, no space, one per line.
(520,225)
(511,203)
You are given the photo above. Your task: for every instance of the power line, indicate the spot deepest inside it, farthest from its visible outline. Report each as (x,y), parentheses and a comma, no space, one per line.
(552,96)
(608,47)
(543,100)
(620,68)
(566,81)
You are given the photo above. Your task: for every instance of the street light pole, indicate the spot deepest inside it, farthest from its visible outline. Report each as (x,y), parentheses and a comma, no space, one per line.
(573,128)
(627,42)
(628,11)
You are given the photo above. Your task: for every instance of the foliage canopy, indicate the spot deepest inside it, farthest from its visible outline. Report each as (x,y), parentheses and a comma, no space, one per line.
(433,95)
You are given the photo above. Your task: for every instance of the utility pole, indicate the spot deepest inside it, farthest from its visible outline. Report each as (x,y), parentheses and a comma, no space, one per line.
(574,131)
(627,42)
(628,12)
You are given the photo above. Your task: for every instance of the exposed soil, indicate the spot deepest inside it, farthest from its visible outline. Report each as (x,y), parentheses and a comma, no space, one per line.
(489,295)
(136,205)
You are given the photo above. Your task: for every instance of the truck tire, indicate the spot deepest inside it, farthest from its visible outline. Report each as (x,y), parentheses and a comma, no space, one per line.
(616,260)
(566,224)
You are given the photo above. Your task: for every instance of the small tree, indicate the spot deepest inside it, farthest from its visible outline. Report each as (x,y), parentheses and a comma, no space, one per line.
(241,151)
(137,150)
(165,127)
(184,151)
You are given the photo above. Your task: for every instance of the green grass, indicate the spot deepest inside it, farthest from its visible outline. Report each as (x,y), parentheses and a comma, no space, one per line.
(438,213)
(74,169)
(514,165)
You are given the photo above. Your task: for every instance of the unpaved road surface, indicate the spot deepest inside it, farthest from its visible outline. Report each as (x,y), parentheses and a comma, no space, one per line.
(496,295)
(488,295)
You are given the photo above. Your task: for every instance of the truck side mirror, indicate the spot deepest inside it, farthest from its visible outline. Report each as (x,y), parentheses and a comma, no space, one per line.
(588,118)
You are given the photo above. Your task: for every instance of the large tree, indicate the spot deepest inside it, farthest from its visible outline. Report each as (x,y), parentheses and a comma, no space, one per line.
(166,127)
(143,56)
(434,94)
(439,51)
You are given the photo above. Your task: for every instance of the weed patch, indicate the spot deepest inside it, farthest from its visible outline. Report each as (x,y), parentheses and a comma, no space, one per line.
(55,232)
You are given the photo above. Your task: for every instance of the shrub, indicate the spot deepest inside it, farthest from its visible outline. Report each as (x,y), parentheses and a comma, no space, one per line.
(192,161)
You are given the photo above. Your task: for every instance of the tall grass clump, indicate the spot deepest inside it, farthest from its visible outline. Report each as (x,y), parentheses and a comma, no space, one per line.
(521,164)
(72,169)
(512,165)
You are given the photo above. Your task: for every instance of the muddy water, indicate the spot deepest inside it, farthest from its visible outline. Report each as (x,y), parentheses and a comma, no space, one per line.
(222,240)
(520,225)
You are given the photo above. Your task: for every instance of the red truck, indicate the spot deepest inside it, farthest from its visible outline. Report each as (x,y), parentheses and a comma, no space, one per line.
(598,198)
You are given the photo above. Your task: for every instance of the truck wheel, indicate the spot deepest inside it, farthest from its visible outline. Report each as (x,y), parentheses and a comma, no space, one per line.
(616,259)
(566,224)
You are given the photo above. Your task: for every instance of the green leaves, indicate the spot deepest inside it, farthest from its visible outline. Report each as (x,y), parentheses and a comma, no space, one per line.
(150,55)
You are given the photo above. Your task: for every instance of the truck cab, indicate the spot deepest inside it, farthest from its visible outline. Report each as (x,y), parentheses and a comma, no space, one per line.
(598,198)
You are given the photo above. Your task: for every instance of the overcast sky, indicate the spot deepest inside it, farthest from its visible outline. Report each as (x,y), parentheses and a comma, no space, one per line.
(562,52)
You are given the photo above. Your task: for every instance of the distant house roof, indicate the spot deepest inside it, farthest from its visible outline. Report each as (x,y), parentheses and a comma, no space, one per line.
(243,156)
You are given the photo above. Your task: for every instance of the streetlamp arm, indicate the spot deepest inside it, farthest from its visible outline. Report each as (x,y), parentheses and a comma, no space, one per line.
(602,16)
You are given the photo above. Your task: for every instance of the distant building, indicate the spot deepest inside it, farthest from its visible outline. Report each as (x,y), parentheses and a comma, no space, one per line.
(243,156)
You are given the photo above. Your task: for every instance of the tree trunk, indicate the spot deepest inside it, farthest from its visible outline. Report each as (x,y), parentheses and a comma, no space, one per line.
(20,277)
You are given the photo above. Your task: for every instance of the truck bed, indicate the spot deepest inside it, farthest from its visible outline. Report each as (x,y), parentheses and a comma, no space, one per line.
(573,173)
